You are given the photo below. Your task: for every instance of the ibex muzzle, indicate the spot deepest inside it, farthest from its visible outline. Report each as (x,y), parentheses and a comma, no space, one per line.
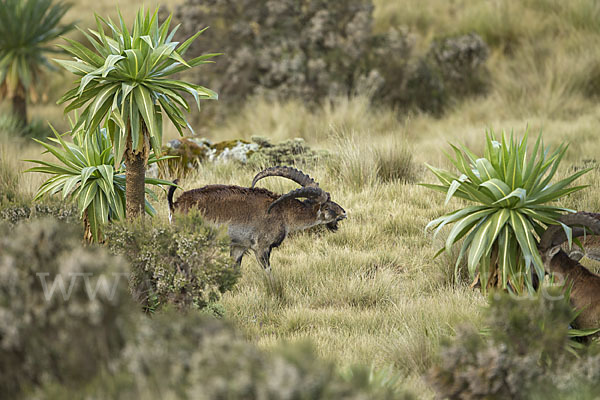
(258,219)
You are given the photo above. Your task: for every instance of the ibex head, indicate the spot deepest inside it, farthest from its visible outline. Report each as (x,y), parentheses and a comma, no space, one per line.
(328,212)
(581,223)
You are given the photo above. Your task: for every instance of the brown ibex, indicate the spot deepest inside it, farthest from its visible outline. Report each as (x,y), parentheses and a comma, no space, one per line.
(585,286)
(258,219)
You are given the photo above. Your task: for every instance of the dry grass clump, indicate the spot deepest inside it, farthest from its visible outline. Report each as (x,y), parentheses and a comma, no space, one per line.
(15,186)
(359,163)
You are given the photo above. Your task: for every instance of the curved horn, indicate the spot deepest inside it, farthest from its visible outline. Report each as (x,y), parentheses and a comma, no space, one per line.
(287,172)
(555,234)
(309,192)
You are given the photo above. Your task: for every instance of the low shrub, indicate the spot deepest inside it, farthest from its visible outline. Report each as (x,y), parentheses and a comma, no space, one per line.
(14,213)
(63,307)
(460,61)
(197,357)
(289,152)
(524,353)
(185,264)
(86,342)
(320,50)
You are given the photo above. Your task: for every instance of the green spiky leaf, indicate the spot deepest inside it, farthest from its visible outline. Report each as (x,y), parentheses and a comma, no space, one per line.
(510,188)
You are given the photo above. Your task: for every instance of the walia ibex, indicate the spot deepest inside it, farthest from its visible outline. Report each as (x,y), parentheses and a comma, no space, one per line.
(258,219)
(585,286)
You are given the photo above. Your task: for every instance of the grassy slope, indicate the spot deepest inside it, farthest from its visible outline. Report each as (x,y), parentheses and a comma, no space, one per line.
(371,292)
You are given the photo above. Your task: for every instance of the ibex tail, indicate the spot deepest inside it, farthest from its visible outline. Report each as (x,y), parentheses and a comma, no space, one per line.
(170,198)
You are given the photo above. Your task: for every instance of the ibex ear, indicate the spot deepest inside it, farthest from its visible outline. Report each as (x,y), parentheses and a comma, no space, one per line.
(552,252)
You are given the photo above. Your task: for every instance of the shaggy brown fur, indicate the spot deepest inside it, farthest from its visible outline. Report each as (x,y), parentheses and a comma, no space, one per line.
(585,286)
(252,225)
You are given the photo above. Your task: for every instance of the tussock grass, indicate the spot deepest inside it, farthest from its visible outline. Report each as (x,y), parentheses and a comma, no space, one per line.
(282,120)
(362,163)
(393,160)
(15,185)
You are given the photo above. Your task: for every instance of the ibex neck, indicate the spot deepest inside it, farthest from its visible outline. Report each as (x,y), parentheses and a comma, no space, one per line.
(570,269)
(301,216)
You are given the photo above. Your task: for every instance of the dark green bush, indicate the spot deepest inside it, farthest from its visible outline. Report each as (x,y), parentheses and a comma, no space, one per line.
(318,50)
(63,308)
(524,353)
(425,87)
(281,48)
(453,68)
(461,61)
(185,264)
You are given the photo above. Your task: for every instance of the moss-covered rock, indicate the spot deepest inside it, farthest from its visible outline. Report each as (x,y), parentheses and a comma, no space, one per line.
(192,356)
(260,152)
(233,150)
(189,153)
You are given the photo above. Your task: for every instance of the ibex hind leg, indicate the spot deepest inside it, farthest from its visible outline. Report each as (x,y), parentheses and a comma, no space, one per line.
(262,250)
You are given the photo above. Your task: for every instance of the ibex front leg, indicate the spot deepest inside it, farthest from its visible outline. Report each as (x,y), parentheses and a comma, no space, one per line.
(237,253)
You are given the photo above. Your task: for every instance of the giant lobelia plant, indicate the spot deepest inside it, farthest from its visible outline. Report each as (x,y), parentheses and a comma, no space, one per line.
(84,171)
(511,189)
(27,28)
(126,84)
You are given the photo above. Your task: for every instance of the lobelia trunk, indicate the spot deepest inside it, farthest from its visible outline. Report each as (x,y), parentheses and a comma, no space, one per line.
(135,175)
(87,229)
(19,104)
